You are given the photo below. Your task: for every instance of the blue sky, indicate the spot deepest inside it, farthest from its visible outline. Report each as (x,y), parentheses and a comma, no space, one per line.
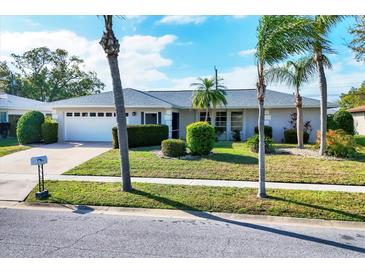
(169,52)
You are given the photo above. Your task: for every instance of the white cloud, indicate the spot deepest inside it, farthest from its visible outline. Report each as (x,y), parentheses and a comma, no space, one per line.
(182,20)
(247,52)
(140,57)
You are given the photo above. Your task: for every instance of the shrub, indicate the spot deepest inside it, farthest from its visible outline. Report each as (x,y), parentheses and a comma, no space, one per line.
(143,135)
(173,147)
(290,136)
(200,137)
(267,131)
(253,144)
(49,131)
(331,122)
(339,144)
(343,119)
(29,127)
(236,135)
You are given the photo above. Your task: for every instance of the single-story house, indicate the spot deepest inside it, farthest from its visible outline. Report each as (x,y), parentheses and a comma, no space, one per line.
(90,118)
(358,114)
(12,107)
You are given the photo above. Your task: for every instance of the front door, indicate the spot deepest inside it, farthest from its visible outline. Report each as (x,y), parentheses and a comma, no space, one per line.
(175,125)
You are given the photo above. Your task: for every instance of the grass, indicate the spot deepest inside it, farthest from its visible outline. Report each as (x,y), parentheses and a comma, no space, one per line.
(231,161)
(10,145)
(360,139)
(290,203)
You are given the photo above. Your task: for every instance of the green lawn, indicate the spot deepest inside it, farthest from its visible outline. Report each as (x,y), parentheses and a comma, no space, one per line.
(290,203)
(231,161)
(10,145)
(360,139)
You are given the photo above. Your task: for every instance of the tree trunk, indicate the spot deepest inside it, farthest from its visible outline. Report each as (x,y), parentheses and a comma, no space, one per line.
(206,115)
(323,101)
(121,122)
(300,129)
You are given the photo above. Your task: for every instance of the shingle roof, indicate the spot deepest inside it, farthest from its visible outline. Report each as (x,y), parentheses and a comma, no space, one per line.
(357,109)
(236,98)
(9,101)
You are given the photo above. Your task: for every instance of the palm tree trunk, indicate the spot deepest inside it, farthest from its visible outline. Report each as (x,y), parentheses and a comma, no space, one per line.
(261,119)
(300,129)
(121,122)
(323,101)
(206,115)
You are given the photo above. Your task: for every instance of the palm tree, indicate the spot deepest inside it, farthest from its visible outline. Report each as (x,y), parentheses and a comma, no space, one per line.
(278,37)
(208,92)
(321,27)
(294,74)
(111,47)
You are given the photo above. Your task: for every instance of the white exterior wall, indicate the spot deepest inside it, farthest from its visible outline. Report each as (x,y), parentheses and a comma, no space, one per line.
(186,117)
(359,122)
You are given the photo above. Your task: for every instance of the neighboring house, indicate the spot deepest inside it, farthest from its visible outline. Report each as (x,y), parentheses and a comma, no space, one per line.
(90,118)
(358,114)
(12,107)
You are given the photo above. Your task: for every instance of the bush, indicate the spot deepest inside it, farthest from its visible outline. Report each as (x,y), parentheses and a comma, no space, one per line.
(200,137)
(343,119)
(49,131)
(236,135)
(143,135)
(173,147)
(331,122)
(267,131)
(29,127)
(253,144)
(339,144)
(290,136)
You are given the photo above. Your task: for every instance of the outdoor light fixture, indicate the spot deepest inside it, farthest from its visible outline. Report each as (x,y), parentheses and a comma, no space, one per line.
(134,113)
(40,161)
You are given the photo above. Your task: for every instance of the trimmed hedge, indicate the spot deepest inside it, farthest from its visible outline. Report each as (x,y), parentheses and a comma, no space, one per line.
(253,144)
(200,138)
(343,120)
(28,129)
(290,136)
(267,131)
(173,147)
(143,135)
(49,130)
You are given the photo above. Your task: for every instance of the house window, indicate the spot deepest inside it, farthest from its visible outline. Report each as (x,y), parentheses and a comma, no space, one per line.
(77,114)
(150,118)
(69,114)
(100,114)
(202,116)
(236,121)
(3,117)
(221,121)
(108,114)
(126,114)
(115,114)
(92,114)
(85,114)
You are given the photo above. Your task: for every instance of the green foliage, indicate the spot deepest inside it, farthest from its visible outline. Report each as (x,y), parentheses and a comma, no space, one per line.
(236,135)
(353,98)
(357,44)
(29,127)
(330,122)
(339,144)
(143,135)
(343,120)
(173,147)
(253,144)
(290,136)
(267,131)
(200,138)
(49,131)
(47,75)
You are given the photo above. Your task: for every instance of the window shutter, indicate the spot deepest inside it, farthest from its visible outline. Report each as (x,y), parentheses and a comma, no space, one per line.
(159,118)
(142,118)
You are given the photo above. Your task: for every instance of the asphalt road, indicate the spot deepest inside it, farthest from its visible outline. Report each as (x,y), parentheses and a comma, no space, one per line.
(30,233)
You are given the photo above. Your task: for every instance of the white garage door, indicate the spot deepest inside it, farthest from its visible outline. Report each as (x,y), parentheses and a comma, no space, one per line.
(89,126)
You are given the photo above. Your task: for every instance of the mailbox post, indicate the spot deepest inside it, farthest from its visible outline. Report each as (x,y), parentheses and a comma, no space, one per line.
(40,161)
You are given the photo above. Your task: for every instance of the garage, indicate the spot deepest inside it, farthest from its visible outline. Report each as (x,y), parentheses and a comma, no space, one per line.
(89,126)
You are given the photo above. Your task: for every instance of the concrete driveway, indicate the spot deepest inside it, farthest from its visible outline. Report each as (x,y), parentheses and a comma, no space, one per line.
(18,177)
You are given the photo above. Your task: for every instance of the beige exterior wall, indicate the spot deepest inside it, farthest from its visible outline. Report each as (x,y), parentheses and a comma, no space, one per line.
(359,122)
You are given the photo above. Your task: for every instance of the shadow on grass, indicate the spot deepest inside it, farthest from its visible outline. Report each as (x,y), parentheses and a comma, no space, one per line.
(202,214)
(233,158)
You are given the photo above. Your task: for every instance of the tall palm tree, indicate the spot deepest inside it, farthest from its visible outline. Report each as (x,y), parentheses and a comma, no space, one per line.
(294,74)
(208,92)
(278,37)
(111,47)
(321,27)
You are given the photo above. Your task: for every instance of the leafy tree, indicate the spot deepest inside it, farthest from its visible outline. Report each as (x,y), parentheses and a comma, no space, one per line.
(8,80)
(353,98)
(358,42)
(278,37)
(47,75)
(294,74)
(208,94)
(111,47)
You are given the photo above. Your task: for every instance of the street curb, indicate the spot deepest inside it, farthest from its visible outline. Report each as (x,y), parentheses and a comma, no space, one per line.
(185,214)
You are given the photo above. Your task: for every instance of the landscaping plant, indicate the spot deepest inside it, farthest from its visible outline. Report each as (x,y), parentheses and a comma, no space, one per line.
(290,136)
(49,131)
(173,147)
(253,144)
(200,138)
(28,129)
(267,131)
(343,119)
(339,144)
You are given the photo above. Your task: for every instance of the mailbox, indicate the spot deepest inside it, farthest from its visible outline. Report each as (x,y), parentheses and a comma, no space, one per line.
(40,161)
